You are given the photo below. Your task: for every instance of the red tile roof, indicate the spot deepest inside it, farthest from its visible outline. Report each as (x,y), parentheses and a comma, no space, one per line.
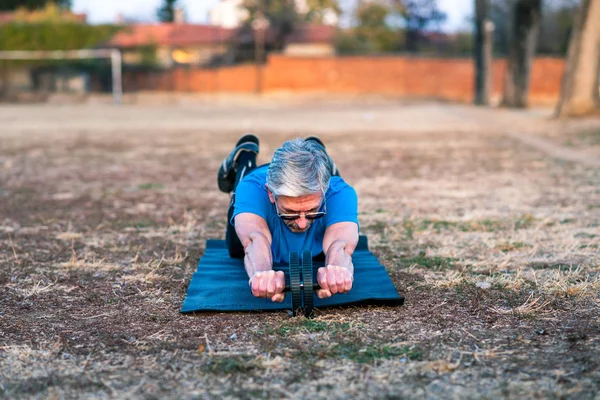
(169,34)
(311,33)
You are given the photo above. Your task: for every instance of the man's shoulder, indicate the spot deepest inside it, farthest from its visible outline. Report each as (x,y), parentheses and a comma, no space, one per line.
(257,177)
(338,184)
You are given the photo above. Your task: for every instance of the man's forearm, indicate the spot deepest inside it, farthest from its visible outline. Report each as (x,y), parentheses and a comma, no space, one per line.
(258,256)
(338,256)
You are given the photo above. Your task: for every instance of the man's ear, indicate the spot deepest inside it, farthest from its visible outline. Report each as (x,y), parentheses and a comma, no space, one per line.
(271,197)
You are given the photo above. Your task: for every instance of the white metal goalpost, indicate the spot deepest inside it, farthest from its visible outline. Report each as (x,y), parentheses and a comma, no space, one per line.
(113,54)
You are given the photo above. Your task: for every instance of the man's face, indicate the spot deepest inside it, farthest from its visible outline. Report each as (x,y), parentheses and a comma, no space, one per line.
(298,205)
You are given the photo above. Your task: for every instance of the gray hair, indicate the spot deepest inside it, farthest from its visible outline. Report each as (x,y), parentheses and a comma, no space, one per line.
(299,168)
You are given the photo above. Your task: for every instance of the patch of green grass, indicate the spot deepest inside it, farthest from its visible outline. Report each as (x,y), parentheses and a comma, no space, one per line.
(151,185)
(312,325)
(544,265)
(566,221)
(485,225)
(510,246)
(464,290)
(368,354)
(584,235)
(22,191)
(409,227)
(138,224)
(305,325)
(428,262)
(591,137)
(525,221)
(225,365)
(315,326)
(437,225)
(377,227)
(217,223)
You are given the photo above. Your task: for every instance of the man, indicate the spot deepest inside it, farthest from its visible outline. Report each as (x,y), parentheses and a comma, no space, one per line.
(297,202)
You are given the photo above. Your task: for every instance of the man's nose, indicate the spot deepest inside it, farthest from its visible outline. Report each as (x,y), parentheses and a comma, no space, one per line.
(302,221)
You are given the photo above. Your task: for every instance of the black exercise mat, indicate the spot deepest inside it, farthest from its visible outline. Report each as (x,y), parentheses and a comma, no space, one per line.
(220,283)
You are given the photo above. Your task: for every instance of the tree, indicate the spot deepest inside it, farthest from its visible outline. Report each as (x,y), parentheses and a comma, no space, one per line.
(373,33)
(579,92)
(373,30)
(12,5)
(499,13)
(482,52)
(419,15)
(522,47)
(281,15)
(166,12)
(318,10)
(556,26)
(50,13)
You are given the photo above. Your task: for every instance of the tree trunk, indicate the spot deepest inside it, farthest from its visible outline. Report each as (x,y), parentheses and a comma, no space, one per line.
(580,86)
(4,79)
(523,42)
(483,53)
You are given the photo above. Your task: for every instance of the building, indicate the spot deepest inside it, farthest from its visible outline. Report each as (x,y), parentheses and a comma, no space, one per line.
(228,14)
(311,41)
(232,14)
(170,44)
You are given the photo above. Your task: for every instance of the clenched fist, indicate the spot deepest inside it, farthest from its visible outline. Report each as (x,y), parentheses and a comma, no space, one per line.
(268,284)
(333,279)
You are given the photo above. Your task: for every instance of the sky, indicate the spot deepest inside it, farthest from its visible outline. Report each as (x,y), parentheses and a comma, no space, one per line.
(106,11)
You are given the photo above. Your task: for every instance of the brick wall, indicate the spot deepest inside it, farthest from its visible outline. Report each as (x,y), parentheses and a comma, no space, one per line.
(403,76)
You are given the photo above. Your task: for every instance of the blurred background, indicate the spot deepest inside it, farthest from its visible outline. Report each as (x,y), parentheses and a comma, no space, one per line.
(489,52)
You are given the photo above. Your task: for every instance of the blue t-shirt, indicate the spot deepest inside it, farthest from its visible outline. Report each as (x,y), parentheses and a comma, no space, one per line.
(251,197)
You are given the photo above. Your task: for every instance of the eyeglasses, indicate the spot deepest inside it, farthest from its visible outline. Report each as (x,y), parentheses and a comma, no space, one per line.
(311,216)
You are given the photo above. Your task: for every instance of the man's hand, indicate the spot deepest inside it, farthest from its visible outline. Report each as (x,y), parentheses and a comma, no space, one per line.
(333,279)
(268,284)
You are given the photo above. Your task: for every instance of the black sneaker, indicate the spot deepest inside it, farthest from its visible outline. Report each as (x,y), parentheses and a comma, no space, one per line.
(334,170)
(227,170)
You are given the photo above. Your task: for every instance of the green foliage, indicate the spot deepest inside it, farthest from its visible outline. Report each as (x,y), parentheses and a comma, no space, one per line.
(372,35)
(53,36)
(372,16)
(166,12)
(48,36)
(148,54)
(281,15)
(317,9)
(12,5)
(421,14)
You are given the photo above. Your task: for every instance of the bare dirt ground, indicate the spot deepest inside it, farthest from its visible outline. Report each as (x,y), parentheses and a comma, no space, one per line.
(486,220)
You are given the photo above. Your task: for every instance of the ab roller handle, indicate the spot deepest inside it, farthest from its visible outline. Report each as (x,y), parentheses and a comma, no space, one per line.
(302,284)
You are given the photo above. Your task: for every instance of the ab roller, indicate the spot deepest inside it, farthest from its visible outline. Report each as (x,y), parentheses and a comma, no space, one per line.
(302,284)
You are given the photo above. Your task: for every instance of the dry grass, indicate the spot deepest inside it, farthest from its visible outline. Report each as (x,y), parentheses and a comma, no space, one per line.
(494,245)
